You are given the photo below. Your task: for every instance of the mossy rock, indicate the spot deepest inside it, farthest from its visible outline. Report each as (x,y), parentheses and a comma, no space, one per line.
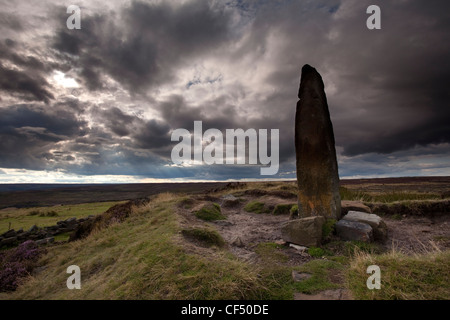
(210,212)
(282,209)
(256,207)
(206,237)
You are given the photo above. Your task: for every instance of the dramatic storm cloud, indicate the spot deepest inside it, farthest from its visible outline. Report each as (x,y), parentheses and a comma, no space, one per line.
(100,103)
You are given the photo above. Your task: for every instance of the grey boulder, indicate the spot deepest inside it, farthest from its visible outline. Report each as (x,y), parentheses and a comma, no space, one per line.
(378,225)
(354,231)
(305,232)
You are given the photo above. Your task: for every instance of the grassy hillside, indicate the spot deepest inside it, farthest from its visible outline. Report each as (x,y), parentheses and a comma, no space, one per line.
(165,251)
(143,258)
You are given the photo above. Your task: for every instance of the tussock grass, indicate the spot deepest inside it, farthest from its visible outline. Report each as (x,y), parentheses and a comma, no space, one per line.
(256,207)
(205,236)
(403,277)
(210,212)
(282,209)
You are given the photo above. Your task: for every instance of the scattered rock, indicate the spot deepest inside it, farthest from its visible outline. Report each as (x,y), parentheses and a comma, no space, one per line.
(378,225)
(9,234)
(33,229)
(45,241)
(354,231)
(238,243)
(299,248)
(347,206)
(71,220)
(305,232)
(280,242)
(317,170)
(298,277)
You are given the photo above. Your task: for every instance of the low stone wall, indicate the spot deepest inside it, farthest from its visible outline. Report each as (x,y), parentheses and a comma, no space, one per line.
(42,235)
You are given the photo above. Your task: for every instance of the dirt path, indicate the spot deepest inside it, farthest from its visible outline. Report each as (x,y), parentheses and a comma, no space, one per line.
(418,234)
(245,230)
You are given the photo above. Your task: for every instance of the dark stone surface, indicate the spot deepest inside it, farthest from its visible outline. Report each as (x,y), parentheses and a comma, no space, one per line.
(317,170)
(305,232)
(354,231)
(9,234)
(380,230)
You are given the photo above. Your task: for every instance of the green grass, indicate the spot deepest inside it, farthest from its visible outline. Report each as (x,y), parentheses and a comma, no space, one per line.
(278,276)
(210,212)
(350,248)
(328,228)
(207,237)
(62,237)
(51,213)
(418,277)
(282,209)
(317,252)
(143,258)
(272,252)
(256,207)
(294,209)
(26,218)
(321,271)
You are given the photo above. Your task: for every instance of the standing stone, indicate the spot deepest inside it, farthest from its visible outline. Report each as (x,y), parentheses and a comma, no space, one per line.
(317,170)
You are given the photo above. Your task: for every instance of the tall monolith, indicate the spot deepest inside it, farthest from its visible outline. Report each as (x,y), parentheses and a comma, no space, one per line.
(317,169)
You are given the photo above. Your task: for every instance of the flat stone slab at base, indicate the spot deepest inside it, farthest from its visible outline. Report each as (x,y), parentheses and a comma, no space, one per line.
(354,231)
(347,206)
(304,232)
(338,294)
(378,225)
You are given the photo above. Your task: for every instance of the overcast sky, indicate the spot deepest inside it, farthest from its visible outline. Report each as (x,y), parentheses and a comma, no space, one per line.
(99,104)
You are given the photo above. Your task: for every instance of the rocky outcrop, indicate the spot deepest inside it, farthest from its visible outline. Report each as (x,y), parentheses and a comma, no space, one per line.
(42,235)
(317,170)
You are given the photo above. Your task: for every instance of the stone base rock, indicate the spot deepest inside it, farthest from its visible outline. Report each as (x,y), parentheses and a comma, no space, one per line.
(378,225)
(305,232)
(354,231)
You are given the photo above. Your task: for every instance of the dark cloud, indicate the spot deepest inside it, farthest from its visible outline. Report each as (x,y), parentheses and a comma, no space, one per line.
(144,44)
(10,21)
(29,132)
(26,86)
(230,65)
